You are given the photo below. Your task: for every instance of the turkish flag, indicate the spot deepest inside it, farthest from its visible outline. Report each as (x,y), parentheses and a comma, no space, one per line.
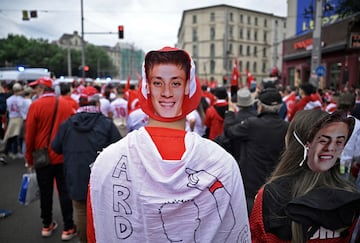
(235,74)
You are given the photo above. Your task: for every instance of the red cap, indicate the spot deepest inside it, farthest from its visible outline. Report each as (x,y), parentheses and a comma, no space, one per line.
(88,92)
(48,82)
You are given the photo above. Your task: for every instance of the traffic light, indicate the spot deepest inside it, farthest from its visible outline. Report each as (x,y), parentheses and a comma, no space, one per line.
(121,31)
(25,15)
(33,14)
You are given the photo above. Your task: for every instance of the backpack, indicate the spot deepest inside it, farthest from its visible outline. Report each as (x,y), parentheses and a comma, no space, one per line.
(3,98)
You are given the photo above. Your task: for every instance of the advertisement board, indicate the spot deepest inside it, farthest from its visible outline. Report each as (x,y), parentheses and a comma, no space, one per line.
(305,20)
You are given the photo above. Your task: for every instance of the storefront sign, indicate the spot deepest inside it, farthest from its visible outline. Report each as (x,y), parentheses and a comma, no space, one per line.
(355,40)
(303,44)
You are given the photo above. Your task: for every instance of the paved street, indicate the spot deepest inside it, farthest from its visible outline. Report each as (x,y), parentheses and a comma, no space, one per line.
(24,225)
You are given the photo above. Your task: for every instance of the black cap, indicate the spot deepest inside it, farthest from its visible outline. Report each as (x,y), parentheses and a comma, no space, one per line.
(270,96)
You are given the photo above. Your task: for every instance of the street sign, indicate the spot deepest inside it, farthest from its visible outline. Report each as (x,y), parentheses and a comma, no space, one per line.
(320,71)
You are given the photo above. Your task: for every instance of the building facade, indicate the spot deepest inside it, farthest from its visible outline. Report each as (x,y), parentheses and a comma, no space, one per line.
(340,55)
(217,35)
(126,58)
(340,49)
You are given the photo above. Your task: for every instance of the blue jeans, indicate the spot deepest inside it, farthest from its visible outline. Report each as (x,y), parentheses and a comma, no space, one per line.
(45,177)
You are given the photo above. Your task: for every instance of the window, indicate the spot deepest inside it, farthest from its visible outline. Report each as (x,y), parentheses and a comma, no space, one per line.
(212,16)
(240,65)
(231,32)
(291,72)
(194,35)
(212,50)
(231,17)
(255,35)
(248,34)
(334,75)
(256,21)
(265,36)
(264,52)
(241,50)
(264,67)
(249,19)
(254,67)
(230,48)
(240,33)
(248,65)
(248,50)
(265,22)
(241,19)
(194,51)
(255,51)
(212,33)
(212,67)
(194,19)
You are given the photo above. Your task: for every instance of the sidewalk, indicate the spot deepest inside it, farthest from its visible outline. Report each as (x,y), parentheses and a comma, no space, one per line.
(24,224)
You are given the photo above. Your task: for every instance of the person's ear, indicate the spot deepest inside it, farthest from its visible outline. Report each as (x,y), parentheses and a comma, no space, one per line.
(187,87)
(147,88)
(307,145)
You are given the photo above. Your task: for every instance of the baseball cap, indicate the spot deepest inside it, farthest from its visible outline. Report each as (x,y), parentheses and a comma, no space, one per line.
(48,82)
(270,96)
(90,93)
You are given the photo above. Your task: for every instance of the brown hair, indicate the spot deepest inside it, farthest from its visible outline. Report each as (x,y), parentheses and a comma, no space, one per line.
(178,58)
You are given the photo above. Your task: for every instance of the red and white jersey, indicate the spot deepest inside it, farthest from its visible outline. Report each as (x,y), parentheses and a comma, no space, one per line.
(105,107)
(136,119)
(120,110)
(16,106)
(137,195)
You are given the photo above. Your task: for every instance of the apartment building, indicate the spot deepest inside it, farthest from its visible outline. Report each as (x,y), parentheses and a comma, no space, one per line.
(217,35)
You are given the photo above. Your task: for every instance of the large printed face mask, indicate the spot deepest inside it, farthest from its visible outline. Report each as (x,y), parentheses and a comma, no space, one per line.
(168,96)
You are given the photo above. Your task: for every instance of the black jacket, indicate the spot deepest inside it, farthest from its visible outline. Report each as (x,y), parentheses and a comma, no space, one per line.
(259,141)
(80,139)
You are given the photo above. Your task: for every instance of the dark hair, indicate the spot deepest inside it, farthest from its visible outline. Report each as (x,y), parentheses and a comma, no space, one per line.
(336,116)
(64,88)
(308,88)
(83,101)
(179,58)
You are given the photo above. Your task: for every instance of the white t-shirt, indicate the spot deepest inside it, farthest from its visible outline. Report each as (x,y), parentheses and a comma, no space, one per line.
(105,107)
(16,106)
(199,127)
(136,119)
(136,196)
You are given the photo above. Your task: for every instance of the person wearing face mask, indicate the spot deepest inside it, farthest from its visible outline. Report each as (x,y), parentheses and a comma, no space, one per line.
(163,184)
(306,199)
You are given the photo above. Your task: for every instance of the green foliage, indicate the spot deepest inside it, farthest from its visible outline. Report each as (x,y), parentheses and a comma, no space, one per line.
(17,50)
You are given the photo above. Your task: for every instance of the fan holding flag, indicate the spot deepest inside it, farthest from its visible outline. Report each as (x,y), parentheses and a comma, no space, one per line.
(234,85)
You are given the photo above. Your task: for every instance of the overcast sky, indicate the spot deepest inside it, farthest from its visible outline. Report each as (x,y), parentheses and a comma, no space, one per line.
(148,24)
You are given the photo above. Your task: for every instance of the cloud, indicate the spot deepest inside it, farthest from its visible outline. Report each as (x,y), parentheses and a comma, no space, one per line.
(147,24)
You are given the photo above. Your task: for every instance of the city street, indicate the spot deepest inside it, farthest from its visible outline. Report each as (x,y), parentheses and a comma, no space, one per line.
(24,224)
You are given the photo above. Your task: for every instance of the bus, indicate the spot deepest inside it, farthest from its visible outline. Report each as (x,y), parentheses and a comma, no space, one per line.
(25,75)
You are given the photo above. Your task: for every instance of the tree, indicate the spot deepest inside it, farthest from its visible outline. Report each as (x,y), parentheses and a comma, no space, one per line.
(99,62)
(347,7)
(17,50)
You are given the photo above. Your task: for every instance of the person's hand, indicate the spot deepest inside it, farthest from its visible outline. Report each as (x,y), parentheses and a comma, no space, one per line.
(30,168)
(232,106)
(199,179)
